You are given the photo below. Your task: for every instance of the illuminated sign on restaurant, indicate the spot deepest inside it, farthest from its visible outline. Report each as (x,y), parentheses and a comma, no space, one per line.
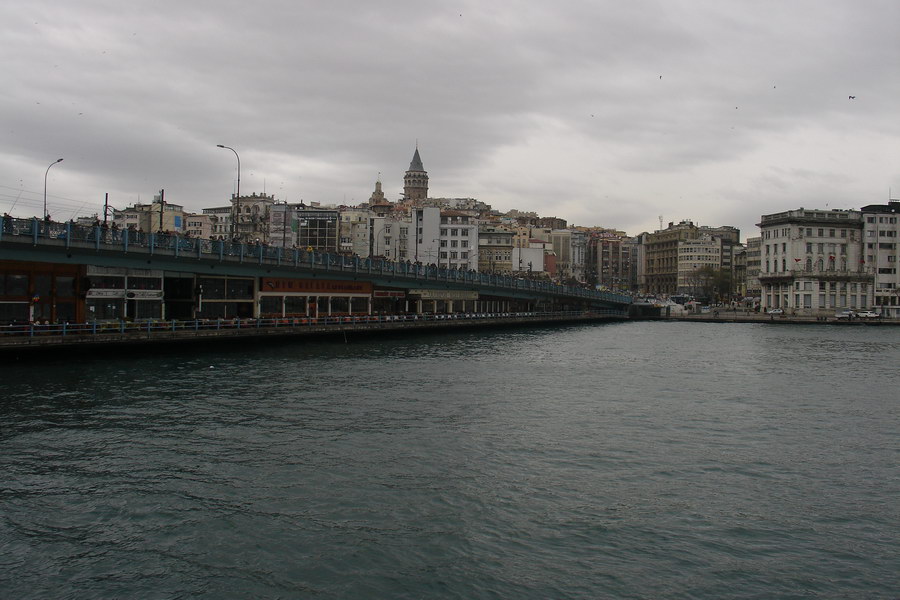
(444,294)
(314,286)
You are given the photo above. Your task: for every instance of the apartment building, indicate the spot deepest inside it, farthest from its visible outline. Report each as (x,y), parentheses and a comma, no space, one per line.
(813,263)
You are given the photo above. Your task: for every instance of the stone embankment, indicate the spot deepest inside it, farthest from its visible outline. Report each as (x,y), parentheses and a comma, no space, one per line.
(730,316)
(36,340)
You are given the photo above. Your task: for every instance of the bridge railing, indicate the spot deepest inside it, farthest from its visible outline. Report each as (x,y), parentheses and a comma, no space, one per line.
(72,235)
(152,327)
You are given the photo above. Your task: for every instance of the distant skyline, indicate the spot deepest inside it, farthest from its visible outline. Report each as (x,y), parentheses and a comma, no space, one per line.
(599,112)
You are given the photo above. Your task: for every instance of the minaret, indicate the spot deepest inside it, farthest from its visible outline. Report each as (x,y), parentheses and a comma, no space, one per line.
(415,182)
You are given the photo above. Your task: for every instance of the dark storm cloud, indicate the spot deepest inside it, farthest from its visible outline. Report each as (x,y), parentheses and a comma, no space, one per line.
(605,113)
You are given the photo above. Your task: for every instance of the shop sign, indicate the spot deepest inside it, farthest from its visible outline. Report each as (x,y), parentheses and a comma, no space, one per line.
(95,293)
(445,294)
(389,294)
(144,294)
(314,286)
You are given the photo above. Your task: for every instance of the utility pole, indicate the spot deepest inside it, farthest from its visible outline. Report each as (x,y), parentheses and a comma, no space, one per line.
(105,208)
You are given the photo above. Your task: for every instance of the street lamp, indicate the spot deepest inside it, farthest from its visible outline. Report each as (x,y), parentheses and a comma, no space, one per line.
(58,160)
(238,185)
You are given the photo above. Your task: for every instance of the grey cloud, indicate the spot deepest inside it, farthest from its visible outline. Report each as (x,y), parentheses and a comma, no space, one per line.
(318,99)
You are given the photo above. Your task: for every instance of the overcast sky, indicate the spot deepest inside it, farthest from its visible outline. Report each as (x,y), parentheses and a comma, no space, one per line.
(601,112)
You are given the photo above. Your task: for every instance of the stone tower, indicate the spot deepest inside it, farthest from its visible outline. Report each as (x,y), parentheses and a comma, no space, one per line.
(377,196)
(415,182)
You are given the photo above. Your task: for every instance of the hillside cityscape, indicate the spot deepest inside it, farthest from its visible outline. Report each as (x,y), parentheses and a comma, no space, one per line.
(806,261)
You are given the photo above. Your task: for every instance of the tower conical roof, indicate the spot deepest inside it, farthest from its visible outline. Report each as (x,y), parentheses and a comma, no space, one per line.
(416,164)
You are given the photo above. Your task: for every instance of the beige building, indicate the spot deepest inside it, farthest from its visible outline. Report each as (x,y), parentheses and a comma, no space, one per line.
(570,247)
(197,225)
(495,246)
(157,216)
(664,263)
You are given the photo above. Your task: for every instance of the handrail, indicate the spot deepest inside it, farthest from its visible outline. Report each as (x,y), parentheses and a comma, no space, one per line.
(149,327)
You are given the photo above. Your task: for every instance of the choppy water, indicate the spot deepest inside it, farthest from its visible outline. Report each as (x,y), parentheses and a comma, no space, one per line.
(644,460)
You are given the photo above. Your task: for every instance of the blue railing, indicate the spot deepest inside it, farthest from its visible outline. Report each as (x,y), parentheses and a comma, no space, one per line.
(70,235)
(151,327)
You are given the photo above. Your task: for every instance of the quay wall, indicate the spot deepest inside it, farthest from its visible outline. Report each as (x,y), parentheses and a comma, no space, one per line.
(38,341)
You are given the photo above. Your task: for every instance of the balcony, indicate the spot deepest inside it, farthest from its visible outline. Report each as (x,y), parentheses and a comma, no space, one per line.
(862,274)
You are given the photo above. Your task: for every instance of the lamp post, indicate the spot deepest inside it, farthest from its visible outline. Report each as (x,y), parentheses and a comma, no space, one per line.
(58,160)
(238,195)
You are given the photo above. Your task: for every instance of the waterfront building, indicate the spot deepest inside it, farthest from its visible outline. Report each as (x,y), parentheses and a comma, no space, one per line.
(739,284)
(813,262)
(752,289)
(881,232)
(665,261)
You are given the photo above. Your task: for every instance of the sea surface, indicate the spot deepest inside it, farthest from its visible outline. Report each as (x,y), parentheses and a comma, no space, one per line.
(636,460)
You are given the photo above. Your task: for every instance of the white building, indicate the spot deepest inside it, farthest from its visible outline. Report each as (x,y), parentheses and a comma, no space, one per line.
(881,233)
(425,244)
(458,241)
(390,237)
(812,262)
(694,255)
(529,260)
